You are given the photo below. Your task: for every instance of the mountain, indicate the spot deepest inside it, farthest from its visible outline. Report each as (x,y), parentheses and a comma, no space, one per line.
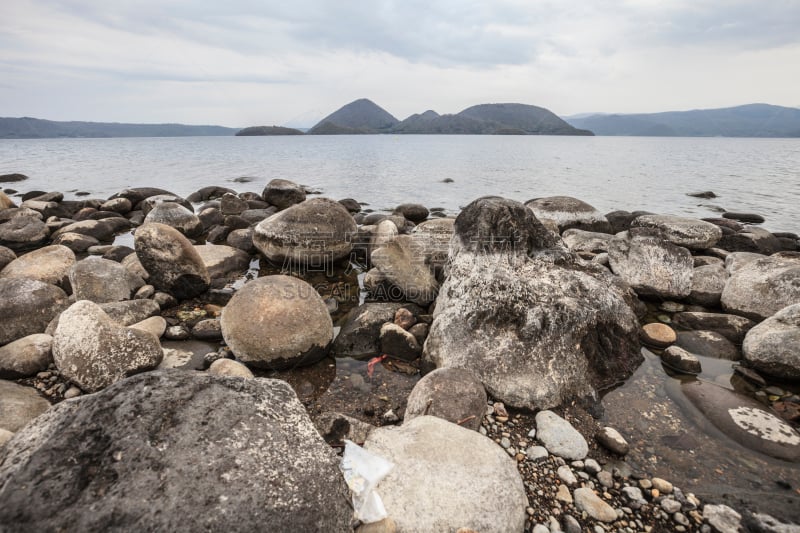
(34,128)
(361,116)
(267,130)
(752,120)
(522,118)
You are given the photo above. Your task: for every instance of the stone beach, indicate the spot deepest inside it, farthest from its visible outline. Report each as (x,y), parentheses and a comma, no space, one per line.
(196,363)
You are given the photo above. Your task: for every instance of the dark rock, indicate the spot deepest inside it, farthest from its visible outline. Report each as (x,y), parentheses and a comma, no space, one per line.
(351,205)
(150,203)
(702,194)
(708,344)
(209,193)
(732,327)
(118,253)
(236,222)
(360,333)
(26,307)
(254,216)
(211,217)
(756,240)
(453,394)
(620,220)
(283,193)
(23,233)
(681,360)
(219,235)
(231,204)
(399,343)
(416,213)
(171,261)
(725,223)
(207,330)
(750,218)
(242,239)
(12,178)
(137,194)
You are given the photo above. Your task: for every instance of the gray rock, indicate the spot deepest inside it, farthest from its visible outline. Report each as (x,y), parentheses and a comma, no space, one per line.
(763,287)
(571,525)
(536,453)
(591,466)
(117,205)
(611,439)
(635,494)
(605,478)
(50,264)
(744,420)
(416,213)
(651,265)
(732,327)
(722,518)
(93,351)
(707,260)
(242,239)
(769,524)
(175,216)
(569,213)
(223,262)
(681,360)
(708,282)
(277,322)
(586,500)
(228,367)
(101,280)
(736,260)
(207,330)
(453,394)
(399,343)
(231,204)
(76,242)
(708,344)
(690,233)
(27,307)
(750,239)
(559,437)
(311,235)
(670,506)
(6,256)
(586,241)
(432,239)
(447,477)
(155,325)
(26,356)
(18,406)
(336,427)
(360,334)
(773,346)
(401,264)
(23,233)
(174,451)
(525,316)
(566,475)
(283,193)
(171,261)
(102,230)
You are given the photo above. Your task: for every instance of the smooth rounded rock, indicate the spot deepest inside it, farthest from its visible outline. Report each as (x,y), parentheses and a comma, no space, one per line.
(416,213)
(175,216)
(50,264)
(761,288)
(18,406)
(586,500)
(658,335)
(27,307)
(171,261)
(228,367)
(732,327)
(101,280)
(690,233)
(681,360)
(559,437)
(155,325)
(283,193)
(7,255)
(611,439)
(23,233)
(569,213)
(402,266)
(708,344)
(453,394)
(26,356)
(773,346)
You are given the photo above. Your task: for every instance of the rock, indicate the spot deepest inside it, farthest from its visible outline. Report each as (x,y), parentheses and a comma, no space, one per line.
(242,239)
(722,518)
(750,218)
(661,485)
(101,280)
(706,260)
(757,240)
(702,194)
(744,420)
(621,220)
(708,282)
(447,477)
(769,524)
(351,205)
(536,453)
(152,202)
(360,334)
(76,242)
(690,233)
(611,439)
(6,256)
(23,233)
(6,202)
(26,307)
(311,235)
(93,351)
(122,206)
(228,367)
(135,449)
(26,356)
(207,330)
(773,346)
(563,494)
(432,238)
(277,322)
(14,177)
(534,324)
(175,216)
(453,394)
(102,230)
(420,332)
(416,213)
(171,261)
(212,192)
(130,312)
(586,500)
(399,343)
(5,436)
(155,325)
(402,266)
(50,264)
(569,213)
(336,427)
(681,360)
(651,265)
(657,335)
(633,494)
(732,327)
(736,260)
(18,406)
(586,241)
(708,344)
(223,262)
(559,437)
(404,318)
(283,193)
(565,474)
(231,204)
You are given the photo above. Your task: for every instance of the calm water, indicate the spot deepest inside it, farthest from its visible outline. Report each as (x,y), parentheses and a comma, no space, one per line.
(754,175)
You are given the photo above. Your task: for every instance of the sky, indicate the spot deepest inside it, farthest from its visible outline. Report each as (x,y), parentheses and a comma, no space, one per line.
(290,62)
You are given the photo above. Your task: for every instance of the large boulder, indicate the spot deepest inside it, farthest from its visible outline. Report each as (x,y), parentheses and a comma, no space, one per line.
(446,477)
(171,261)
(174,451)
(773,346)
(102,230)
(568,212)
(23,233)
(708,282)
(93,351)
(176,216)
(102,280)
(535,324)
(277,322)
(453,394)
(27,306)
(50,264)
(283,193)
(761,288)
(223,262)
(405,275)
(26,356)
(651,265)
(578,240)
(732,327)
(691,233)
(18,406)
(312,234)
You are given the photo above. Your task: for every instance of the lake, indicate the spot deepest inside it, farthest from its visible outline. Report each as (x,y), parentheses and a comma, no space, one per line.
(630,173)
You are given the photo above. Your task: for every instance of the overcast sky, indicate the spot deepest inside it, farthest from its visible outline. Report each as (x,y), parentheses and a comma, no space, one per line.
(290,62)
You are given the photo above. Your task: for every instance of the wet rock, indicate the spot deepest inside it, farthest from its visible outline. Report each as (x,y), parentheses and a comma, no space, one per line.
(312,234)
(744,420)
(399,343)
(351,205)
(26,307)
(277,322)
(586,241)
(751,239)
(732,327)
(447,477)
(657,335)
(690,233)
(336,427)
(228,367)
(611,439)
(702,194)
(171,261)
(536,326)
(708,344)
(122,206)
(231,204)
(211,192)
(416,213)
(750,218)
(283,193)
(101,280)
(23,233)
(93,351)
(763,287)
(708,282)
(722,518)
(453,394)
(360,334)
(773,346)
(569,213)
(402,266)
(175,216)
(559,437)
(18,406)
(26,356)
(586,500)
(681,360)
(651,265)
(50,264)
(135,450)
(223,262)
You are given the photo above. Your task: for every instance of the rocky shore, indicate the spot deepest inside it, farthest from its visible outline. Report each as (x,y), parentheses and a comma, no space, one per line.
(197,363)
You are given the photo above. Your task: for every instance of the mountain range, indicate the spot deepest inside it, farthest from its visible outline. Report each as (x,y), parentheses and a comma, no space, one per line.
(35,128)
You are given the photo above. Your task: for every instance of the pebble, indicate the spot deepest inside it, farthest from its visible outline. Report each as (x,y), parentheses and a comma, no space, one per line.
(536,453)
(612,440)
(605,478)
(571,525)
(661,485)
(591,466)
(645,483)
(658,335)
(72,392)
(390,417)
(565,474)
(532,434)
(633,493)
(559,437)
(539,528)
(670,506)
(505,443)
(586,500)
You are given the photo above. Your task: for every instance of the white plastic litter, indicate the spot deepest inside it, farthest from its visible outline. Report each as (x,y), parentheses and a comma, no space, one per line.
(363,471)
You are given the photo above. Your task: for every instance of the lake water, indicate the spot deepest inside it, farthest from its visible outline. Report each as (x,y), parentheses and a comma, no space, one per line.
(631,173)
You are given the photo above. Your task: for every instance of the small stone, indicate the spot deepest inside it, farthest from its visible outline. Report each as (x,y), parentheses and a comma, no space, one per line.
(177,333)
(633,493)
(658,335)
(563,495)
(681,360)
(505,443)
(404,318)
(645,483)
(681,519)
(559,437)
(565,474)
(532,433)
(605,478)
(586,500)
(670,506)
(231,368)
(591,466)
(661,485)
(613,441)
(536,453)
(72,392)
(571,525)
(390,417)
